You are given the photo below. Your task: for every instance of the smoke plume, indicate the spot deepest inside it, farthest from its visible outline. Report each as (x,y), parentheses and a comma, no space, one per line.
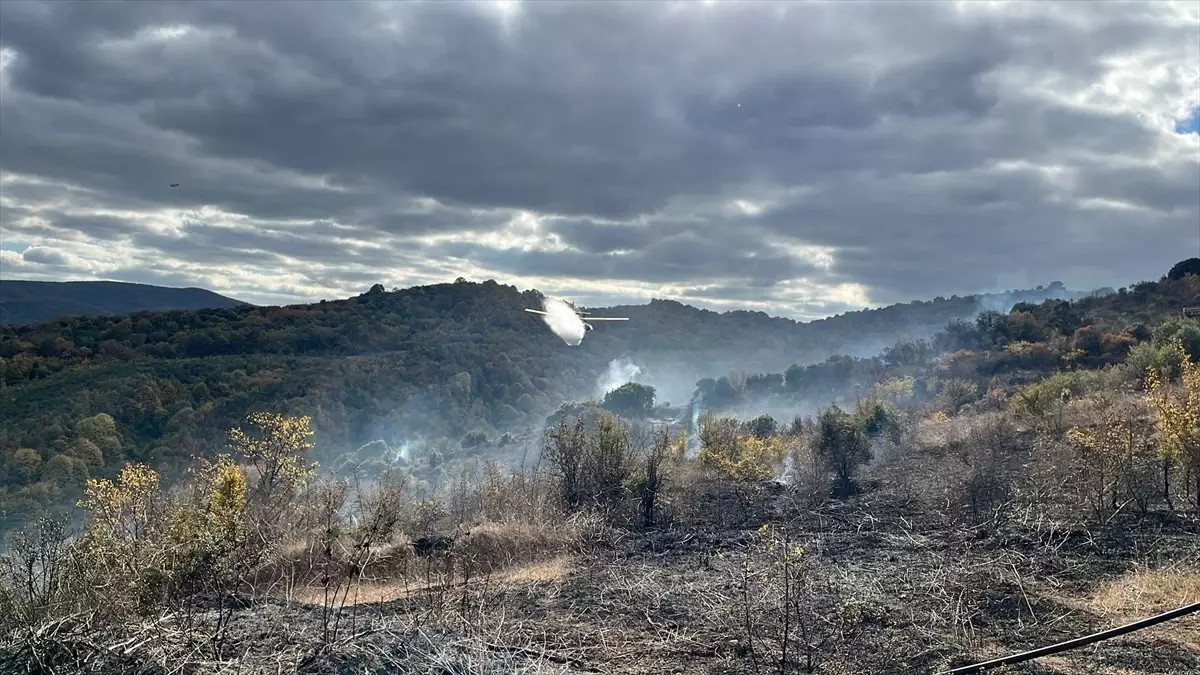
(619,372)
(693,441)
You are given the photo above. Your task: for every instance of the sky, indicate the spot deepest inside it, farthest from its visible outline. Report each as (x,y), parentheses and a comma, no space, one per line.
(799,158)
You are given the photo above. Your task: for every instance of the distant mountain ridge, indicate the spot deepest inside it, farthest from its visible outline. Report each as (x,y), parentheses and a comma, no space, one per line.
(36,301)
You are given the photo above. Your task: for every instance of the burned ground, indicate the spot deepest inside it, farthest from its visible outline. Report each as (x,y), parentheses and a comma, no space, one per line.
(886,585)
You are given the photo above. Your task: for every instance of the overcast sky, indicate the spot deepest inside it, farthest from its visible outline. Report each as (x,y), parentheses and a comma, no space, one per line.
(798,158)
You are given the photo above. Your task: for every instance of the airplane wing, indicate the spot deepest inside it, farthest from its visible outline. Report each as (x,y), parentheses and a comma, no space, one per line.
(606,318)
(535,311)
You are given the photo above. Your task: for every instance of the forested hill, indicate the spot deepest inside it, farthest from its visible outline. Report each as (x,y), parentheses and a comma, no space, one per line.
(425,368)
(35,301)
(442,330)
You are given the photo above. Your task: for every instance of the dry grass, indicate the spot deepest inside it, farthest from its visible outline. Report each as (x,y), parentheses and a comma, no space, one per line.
(389,590)
(554,569)
(1148,591)
(500,551)
(494,546)
(1144,592)
(1067,664)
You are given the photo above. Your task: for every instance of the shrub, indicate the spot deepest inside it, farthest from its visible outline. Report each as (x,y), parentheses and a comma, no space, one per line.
(842,446)
(592,469)
(955,393)
(1177,416)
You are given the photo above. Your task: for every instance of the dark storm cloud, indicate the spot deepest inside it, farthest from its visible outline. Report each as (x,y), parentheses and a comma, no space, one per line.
(910,139)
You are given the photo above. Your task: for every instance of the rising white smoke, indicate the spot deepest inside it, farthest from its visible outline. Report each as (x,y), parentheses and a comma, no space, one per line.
(619,372)
(693,441)
(402,453)
(786,474)
(563,320)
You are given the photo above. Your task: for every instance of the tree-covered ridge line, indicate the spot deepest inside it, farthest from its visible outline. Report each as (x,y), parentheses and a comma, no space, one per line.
(27,302)
(385,321)
(471,371)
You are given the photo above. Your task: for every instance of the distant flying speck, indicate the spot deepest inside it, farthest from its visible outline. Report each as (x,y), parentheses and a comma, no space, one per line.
(174,184)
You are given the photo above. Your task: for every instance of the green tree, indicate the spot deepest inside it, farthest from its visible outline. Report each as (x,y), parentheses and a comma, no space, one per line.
(1183,268)
(763,426)
(26,463)
(630,400)
(842,447)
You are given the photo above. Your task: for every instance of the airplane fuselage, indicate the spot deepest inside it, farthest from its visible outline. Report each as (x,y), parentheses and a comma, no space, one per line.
(567,323)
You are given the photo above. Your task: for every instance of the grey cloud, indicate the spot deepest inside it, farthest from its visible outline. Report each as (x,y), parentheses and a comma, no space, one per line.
(595,237)
(686,256)
(175,279)
(95,226)
(44,256)
(599,116)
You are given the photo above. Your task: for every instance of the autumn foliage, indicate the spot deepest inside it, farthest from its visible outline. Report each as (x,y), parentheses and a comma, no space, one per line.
(1177,416)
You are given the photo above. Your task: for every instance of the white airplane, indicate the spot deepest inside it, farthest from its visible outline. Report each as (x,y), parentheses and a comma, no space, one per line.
(567,322)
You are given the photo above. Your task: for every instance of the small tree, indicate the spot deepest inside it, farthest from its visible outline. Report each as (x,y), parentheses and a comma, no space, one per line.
(121,547)
(608,461)
(563,448)
(763,426)
(842,446)
(277,452)
(1177,416)
(955,393)
(652,475)
(1110,459)
(742,461)
(34,573)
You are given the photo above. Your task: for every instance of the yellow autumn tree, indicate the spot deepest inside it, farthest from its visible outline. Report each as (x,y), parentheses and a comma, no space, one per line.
(1115,461)
(276,450)
(744,460)
(209,538)
(1177,417)
(120,543)
(214,509)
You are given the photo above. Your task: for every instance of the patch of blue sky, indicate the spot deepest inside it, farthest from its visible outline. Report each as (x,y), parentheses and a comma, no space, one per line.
(1189,124)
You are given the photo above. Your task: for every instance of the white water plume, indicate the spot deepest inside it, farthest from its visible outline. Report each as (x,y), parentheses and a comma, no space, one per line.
(563,321)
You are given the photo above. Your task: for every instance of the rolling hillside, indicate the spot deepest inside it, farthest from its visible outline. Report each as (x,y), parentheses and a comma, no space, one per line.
(436,370)
(23,302)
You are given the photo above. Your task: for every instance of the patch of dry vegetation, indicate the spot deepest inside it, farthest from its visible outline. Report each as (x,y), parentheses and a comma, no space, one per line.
(908,536)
